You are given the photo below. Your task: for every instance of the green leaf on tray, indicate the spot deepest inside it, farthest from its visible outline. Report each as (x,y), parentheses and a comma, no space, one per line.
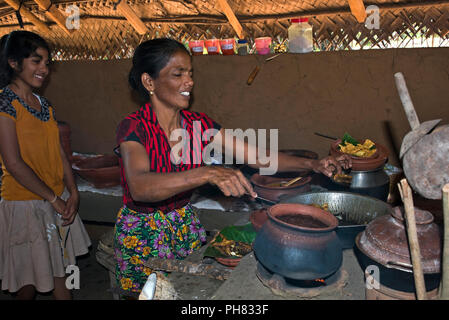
(244,233)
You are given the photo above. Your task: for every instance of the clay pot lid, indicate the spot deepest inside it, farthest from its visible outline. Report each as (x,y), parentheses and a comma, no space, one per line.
(385,241)
(262,182)
(277,210)
(421,216)
(364,164)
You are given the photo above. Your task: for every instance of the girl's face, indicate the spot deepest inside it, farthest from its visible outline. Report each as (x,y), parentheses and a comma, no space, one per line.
(174,85)
(34,69)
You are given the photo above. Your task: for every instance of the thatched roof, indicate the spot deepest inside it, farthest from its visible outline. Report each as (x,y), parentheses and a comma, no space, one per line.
(106,30)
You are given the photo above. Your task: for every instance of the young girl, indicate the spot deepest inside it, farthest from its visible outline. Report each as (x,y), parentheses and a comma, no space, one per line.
(40,231)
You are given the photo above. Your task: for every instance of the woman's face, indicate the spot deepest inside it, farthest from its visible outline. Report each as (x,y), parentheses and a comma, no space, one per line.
(174,85)
(34,69)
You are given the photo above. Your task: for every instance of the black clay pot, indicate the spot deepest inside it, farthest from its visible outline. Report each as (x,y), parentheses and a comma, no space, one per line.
(303,248)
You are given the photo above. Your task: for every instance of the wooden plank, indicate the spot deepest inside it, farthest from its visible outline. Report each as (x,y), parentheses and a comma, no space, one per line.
(53,13)
(132,18)
(358,10)
(227,10)
(27,14)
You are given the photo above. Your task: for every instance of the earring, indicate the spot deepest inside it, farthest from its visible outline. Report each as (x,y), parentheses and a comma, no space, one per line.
(151,93)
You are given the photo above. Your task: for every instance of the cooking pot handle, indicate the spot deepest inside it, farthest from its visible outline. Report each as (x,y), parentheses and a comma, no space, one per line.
(402,266)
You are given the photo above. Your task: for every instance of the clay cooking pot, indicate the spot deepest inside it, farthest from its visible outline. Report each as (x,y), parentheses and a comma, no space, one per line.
(303,247)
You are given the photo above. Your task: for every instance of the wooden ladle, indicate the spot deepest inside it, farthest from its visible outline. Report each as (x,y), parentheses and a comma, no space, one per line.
(283,184)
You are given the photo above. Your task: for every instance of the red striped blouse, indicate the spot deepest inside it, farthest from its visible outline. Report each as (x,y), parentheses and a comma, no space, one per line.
(142,126)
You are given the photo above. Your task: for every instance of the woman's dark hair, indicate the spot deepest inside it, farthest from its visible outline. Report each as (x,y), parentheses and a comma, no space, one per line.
(17,46)
(151,57)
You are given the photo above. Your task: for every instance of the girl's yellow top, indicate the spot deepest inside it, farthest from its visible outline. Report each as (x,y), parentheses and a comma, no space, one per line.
(39,147)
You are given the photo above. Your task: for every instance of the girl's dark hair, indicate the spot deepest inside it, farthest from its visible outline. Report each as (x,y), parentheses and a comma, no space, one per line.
(17,46)
(151,57)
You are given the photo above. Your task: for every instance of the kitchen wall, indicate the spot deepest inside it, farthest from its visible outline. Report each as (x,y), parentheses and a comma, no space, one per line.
(328,92)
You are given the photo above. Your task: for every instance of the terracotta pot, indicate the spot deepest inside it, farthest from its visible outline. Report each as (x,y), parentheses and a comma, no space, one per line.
(258,218)
(274,193)
(364,164)
(384,243)
(65,138)
(102,171)
(298,250)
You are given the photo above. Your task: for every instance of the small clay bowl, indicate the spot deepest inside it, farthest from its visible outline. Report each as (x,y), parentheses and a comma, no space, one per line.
(273,193)
(228,262)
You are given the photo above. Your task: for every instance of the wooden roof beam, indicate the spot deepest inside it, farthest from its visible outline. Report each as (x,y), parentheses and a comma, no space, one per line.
(358,10)
(53,13)
(227,10)
(15,4)
(132,17)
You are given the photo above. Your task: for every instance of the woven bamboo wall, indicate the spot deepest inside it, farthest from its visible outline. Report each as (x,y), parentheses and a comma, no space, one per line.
(106,34)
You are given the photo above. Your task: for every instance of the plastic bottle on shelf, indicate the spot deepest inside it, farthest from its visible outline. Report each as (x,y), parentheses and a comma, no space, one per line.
(300,36)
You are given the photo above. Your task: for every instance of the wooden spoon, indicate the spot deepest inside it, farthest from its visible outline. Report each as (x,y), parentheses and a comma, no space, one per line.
(283,184)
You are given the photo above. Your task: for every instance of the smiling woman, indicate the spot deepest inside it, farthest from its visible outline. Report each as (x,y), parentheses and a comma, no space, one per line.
(38,209)
(157,187)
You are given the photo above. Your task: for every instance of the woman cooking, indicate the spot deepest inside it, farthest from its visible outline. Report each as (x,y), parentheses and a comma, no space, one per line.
(157,219)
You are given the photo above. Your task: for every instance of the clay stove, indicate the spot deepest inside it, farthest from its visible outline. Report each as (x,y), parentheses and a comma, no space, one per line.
(307,289)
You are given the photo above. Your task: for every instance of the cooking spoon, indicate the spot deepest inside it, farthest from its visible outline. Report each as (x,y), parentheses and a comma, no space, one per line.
(283,184)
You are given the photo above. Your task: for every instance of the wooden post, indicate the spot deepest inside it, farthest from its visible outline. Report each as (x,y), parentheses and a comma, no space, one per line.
(132,18)
(15,4)
(54,14)
(358,10)
(444,285)
(412,234)
(227,10)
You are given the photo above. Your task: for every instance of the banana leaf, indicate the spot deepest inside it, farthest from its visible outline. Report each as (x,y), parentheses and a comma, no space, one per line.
(348,139)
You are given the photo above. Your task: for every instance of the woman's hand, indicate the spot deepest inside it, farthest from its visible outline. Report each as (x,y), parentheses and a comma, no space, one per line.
(59,205)
(332,165)
(230,181)
(71,208)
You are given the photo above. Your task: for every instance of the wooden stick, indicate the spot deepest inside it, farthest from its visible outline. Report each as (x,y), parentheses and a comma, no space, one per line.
(444,288)
(227,10)
(54,14)
(407,198)
(358,10)
(184,266)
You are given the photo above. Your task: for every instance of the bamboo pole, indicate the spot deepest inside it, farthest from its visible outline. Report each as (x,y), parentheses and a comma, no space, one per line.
(15,4)
(415,253)
(132,17)
(444,287)
(227,10)
(358,10)
(54,14)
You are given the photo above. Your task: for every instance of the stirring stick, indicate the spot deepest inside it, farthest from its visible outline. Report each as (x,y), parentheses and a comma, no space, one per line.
(407,198)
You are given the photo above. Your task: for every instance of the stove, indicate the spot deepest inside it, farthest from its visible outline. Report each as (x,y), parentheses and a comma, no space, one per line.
(286,287)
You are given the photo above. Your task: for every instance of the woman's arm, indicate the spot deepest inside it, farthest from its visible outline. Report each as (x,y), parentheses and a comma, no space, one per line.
(256,158)
(10,153)
(146,186)
(69,181)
